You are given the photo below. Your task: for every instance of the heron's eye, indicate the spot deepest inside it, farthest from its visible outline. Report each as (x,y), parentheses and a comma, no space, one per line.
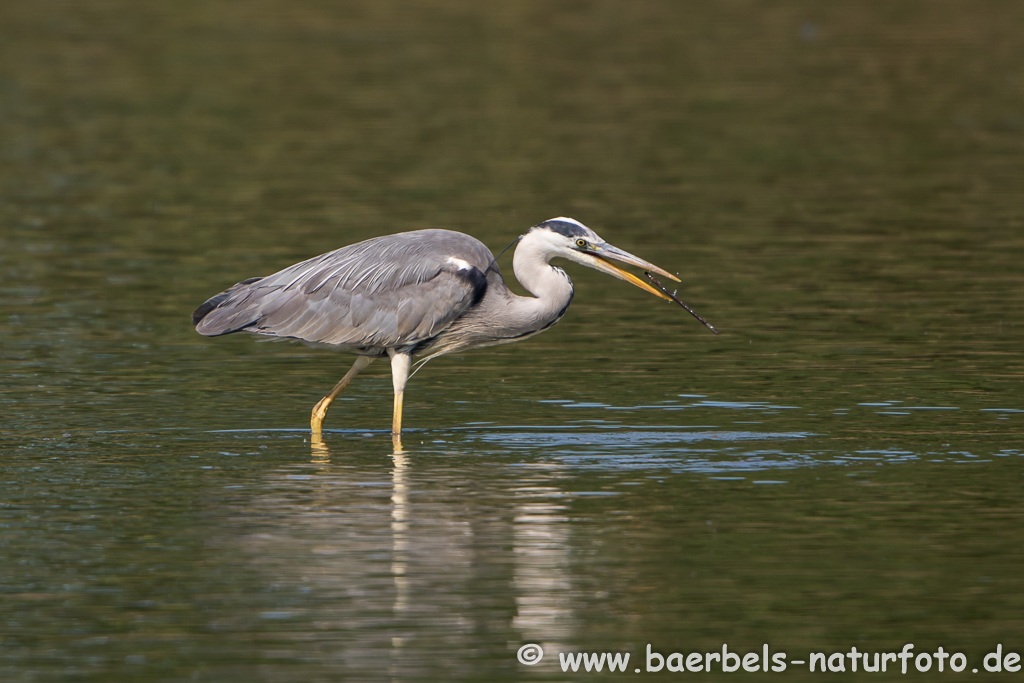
(581,243)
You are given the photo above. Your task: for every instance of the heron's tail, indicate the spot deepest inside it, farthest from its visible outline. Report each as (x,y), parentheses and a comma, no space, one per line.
(230,318)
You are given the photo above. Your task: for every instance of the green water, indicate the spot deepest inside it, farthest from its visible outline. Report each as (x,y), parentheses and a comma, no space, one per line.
(839,185)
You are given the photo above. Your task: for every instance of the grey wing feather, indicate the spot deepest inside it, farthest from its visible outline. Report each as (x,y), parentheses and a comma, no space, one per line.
(385,292)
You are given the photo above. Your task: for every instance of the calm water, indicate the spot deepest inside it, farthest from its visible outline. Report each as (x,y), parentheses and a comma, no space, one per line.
(839,186)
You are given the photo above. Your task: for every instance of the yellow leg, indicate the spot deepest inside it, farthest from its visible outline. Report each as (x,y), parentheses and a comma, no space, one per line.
(396,424)
(400,364)
(316,420)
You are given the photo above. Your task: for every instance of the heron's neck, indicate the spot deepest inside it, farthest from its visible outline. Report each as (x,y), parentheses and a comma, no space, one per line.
(502,316)
(550,286)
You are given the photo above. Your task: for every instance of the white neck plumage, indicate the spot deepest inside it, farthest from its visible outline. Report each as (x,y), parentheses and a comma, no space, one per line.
(532,266)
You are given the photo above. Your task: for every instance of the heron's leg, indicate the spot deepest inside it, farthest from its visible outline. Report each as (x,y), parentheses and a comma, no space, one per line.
(316,420)
(400,364)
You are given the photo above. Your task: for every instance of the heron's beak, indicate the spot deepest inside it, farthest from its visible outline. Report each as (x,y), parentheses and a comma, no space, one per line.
(602,256)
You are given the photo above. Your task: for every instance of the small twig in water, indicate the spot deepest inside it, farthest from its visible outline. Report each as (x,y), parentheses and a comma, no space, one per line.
(673,296)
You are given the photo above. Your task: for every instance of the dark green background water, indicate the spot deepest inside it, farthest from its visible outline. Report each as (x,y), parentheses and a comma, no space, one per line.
(841,186)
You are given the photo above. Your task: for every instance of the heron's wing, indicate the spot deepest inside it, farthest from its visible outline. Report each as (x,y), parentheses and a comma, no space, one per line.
(385,292)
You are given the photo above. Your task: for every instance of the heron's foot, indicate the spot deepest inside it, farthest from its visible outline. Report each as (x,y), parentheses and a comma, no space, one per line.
(316,419)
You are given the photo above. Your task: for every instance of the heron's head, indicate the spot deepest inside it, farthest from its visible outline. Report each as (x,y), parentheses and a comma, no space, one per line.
(572,240)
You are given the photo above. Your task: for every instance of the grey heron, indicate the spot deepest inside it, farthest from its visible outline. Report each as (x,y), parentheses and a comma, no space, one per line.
(429,292)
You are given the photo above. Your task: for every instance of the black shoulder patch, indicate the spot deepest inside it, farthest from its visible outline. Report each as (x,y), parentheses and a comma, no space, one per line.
(475,279)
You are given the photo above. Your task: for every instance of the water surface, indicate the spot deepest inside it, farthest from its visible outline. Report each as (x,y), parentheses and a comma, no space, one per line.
(839,188)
